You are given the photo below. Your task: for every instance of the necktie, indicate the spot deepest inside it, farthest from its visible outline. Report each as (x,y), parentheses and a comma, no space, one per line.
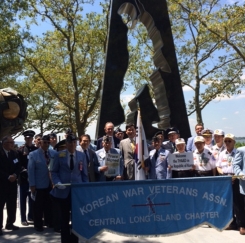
(156,155)
(71,162)
(46,157)
(133,145)
(86,155)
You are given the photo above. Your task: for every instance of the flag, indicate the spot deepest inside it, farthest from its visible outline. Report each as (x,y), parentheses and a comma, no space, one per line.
(141,150)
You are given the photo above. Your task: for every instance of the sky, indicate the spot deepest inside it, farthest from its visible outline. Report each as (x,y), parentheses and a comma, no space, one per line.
(226,113)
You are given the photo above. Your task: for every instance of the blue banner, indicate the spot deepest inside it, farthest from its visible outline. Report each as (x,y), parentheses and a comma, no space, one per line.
(151,207)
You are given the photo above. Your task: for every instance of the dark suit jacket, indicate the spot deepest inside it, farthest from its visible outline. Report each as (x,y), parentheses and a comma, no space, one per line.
(8,166)
(99,143)
(93,166)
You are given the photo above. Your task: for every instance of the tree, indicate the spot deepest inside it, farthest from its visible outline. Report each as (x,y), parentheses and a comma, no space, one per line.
(227,24)
(206,66)
(68,59)
(11,39)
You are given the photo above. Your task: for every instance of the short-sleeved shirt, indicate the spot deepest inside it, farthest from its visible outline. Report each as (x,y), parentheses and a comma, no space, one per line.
(216,151)
(204,161)
(225,161)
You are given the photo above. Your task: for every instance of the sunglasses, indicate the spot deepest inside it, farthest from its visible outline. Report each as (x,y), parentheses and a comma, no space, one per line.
(227,141)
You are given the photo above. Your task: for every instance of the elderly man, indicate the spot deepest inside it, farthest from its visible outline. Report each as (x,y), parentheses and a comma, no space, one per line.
(9,171)
(158,163)
(24,191)
(105,168)
(239,169)
(69,165)
(40,184)
(203,160)
(173,134)
(190,147)
(225,167)
(91,158)
(109,131)
(127,148)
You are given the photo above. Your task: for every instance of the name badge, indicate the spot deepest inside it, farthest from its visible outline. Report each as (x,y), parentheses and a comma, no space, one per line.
(15,161)
(80,166)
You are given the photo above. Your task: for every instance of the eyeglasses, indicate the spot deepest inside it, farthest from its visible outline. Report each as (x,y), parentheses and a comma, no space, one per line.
(227,141)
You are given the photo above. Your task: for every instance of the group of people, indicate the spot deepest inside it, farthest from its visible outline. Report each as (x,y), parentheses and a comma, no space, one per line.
(43,169)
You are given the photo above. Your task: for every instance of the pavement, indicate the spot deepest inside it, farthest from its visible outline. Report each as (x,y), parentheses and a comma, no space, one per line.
(202,234)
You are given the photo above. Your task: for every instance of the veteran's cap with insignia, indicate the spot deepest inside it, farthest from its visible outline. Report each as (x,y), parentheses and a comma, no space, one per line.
(28,134)
(199,139)
(172,130)
(71,137)
(45,138)
(60,145)
(180,141)
(219,132)
(230,135)
(106,139)
(207,132)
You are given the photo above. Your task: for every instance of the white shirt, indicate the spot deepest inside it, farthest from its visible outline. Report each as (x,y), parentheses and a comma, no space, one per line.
(225,161)
(204,161)
(216,151)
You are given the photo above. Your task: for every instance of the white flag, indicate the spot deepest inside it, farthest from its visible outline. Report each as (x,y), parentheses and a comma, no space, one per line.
(141,150)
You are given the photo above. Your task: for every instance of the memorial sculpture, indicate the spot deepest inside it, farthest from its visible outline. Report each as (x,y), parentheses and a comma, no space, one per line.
(169,99)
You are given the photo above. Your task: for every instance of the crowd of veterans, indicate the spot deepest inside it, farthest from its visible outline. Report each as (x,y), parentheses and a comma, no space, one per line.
(43,168)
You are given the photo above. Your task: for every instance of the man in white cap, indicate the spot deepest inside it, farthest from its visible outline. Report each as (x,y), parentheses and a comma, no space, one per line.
(224,167)
(180,146)
(219,140)
(203,159)
(239,169)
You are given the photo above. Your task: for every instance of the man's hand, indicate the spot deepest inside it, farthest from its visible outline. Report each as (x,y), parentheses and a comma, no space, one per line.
(60,186)
(33,189)
(104,168)
(12,178)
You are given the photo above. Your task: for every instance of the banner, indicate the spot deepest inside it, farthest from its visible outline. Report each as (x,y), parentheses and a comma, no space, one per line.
(151,207)
(181,161)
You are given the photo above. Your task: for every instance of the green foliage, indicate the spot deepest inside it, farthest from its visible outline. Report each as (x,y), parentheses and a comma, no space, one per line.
(239,144)
(11,39)
(67,62)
